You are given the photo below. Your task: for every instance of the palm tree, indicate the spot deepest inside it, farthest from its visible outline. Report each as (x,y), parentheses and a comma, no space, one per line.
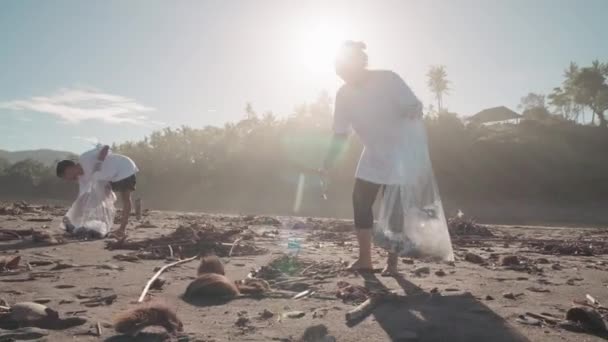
(438,84)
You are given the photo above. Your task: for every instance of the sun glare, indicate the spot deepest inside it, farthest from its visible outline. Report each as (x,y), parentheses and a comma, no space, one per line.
(317,45)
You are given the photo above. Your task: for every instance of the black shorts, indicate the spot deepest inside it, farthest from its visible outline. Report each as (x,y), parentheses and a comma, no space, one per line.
(364,196)
(124,185)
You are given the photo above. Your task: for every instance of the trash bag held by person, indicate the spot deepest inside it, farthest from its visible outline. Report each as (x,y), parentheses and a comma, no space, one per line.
(387,117)
(100,173)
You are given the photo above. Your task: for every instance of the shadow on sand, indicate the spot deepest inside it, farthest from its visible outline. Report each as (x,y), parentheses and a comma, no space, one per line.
(422,317)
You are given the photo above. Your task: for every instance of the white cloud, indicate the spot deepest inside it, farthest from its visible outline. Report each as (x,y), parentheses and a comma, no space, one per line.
(76,105)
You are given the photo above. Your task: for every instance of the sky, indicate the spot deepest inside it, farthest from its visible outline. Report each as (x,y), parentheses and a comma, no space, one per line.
(74,73)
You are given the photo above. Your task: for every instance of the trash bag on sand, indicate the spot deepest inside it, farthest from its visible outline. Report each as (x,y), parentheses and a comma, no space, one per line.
(411,220)
(92,214)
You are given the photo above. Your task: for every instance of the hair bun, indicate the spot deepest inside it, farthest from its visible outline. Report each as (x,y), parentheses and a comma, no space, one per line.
(355,45)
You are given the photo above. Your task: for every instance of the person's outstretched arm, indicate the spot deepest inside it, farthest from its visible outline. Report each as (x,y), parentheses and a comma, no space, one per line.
(338,142)
(341,128)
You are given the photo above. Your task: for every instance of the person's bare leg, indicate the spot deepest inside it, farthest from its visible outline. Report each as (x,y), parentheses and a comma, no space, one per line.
(364,262)
(391,265)
(121,232)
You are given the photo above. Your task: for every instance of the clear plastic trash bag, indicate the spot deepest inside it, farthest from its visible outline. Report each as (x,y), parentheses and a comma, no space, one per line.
(411,220)
(92,214)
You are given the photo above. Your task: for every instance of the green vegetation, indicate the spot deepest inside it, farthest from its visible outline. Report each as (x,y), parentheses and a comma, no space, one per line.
(254,165)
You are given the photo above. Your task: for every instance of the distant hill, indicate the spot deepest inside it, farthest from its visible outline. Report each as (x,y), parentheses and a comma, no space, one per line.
(46,157)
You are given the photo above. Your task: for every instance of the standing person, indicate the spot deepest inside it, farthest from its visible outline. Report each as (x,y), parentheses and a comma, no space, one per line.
(118,170)
(378,105)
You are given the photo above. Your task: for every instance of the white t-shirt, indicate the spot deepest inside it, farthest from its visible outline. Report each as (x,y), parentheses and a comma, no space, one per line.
(114,168)
(377,110)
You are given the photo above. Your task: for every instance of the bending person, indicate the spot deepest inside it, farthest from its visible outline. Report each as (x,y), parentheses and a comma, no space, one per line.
(378,106)
(118,170)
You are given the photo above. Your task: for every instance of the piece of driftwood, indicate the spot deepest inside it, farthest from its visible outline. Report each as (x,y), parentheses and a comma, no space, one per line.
(18,233)
(157,274)
(369,305)
(101,300)
(234,244)
(546,319)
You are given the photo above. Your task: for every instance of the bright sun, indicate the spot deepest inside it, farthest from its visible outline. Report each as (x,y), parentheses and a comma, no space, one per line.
(317,45)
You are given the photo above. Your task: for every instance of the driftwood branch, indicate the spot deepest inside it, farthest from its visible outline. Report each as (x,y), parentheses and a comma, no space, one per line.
(147,288)
(368,306)
(234,244)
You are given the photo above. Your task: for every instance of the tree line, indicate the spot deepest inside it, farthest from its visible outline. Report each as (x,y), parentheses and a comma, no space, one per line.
(266,164)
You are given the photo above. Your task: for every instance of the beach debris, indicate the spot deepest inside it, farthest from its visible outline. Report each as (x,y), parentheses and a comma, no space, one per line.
(588,318)
(474,258)
(62,266)
(538,289)
(10,263)
(557,267)
(351,293)
(512,296)
(510,260)
(569,247)
(157,274)
(592,300)
(266,314)
(99,301)
(523,319)
(98,330)
(132,321)
(460,226)
(110,267)
(158,283)
(367,306)
(407,261)
(573,281)
(42,300)
(243,320)
(303,294)
(294,314)
(191,239)
(319,313)
(440,273)
(422,271)
(30,311)
(126,257)
(46,238)
(39,219)
(28,333)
